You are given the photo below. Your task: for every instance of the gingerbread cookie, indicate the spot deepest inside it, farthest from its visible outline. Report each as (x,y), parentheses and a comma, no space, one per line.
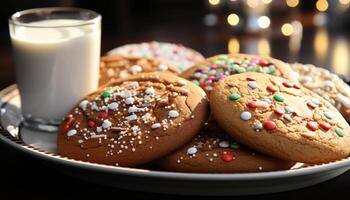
(207,73)
(213,151)
(114,67)
(173,54)
(277,117)
(134,120)
(325,84)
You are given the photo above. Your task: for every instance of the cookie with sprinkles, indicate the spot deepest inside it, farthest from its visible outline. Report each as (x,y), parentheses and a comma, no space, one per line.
(133,120)
(114,67)
(213,151)
(206,74)
(280,118)
(325,84)
(173,54)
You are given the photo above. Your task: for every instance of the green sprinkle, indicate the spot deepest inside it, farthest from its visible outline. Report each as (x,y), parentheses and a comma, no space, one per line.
(241,70)
(207,68)
(234,97)
(230,61)
(271,71)
(339,132)
(106,94)
(251,69)
(223,57)
(278,97)
(259,69)
(218,62)
(234,145)
(245,62)
(196,82)
(204,76)
(212,72)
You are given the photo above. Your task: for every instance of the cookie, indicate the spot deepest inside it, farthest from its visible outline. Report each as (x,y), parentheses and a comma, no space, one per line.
(134,120)
(275,116)
(114,67)
(173,54)
(326,84)
(207,73)
(213,151)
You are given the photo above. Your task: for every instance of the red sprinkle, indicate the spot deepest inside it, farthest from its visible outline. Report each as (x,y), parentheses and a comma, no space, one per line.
(252,104)
(296,86)
(65,128)
(271,88)
(103,114)
(91,123)
(311,105)
(251,79)
(324,125)
(312,126)
(263,62)
(278,112)
(68,117)
(269,125)
(70,122)
(227,157)
(203,86)
(288,84)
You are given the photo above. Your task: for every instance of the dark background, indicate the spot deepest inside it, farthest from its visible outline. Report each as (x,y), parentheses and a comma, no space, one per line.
(180,21)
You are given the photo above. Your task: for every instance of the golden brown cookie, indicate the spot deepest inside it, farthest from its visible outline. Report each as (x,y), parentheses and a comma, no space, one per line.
(277,117)
(134,120)
(114,67)
(206,74)
(326,84)
(213,151)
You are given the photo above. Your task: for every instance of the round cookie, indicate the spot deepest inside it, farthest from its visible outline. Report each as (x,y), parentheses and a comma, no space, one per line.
(326,84)
(213,151)
(279,118)
(173,54)
(134,120)
(207,73)
(114,67)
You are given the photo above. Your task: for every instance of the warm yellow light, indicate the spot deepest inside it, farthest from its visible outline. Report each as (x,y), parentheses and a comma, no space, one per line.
(232,19)
(266,1)
(264,22)
(253,3)
(322,5)
(292,3)
(264,47)
(214,2)
(340,57)
(233,45)
(321,44)
(344,2)
(287,29)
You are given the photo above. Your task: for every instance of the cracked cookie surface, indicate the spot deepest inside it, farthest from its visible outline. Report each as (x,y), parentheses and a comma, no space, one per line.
(278,117)
(133,120)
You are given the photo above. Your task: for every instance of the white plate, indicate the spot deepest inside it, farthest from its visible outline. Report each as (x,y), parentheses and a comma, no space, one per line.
(42,146)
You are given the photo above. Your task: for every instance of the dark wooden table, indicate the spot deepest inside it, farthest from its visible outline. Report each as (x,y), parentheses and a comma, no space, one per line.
(23,176)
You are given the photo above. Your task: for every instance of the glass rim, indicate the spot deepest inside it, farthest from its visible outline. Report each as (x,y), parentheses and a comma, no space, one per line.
(13,19)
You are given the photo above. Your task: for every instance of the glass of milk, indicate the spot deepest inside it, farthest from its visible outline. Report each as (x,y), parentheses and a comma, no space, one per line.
(57,52)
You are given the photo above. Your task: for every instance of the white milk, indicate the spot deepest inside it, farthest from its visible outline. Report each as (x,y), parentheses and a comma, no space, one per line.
(55,67)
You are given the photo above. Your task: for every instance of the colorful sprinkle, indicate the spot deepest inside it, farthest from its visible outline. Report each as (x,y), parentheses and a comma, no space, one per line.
(103,115)
(234,97)
(278,112)
(224,144)
(296,86)
(252,84)
(129,100)
(106,123)
(113,106)
(312,126)
(287,84)
(106,94)
(252,104)
(191,150)
(234,145)
(71,132)
(271,88)
(251,79)
(278,97)
(324,125)
(289,109)
(245,116)
(311,105)
(287,117)
(339,132)
(91,123)
(181,82)
(269,125)
(155,125)
(173,114)
(328,114)
(227,157)
(66,128)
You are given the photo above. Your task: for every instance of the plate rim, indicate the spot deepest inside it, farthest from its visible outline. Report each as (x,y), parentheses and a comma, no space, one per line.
(8,139)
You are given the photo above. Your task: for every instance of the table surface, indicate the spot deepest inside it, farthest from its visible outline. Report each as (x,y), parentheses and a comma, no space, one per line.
(23,176)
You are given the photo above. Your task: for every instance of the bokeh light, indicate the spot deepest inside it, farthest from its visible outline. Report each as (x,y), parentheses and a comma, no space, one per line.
(287,29)
(292,3)
(322,5)
(233,19)
(264,22)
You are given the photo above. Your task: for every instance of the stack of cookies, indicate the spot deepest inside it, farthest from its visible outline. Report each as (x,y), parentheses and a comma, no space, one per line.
(225,114)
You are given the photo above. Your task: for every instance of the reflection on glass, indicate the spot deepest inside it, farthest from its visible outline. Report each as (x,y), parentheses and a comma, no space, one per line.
(340,57)
(233,45)
(321,44)
(296,37)
(263,47)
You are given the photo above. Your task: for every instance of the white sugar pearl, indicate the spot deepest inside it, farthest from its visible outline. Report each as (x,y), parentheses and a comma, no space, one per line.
(191,150)
(131,117)
(98,129)
(289,109)
(315,101)
(184,91)
(113,106)
(106,124)
(224,144)
(328,114)
(258,126)
(245,116)
(150,91)
(287,117)
(83,104)
(173,114)
(136,68)
(71,132)
(162,67)
(129,100)
(252,84)
(181,82)
(155,125)
(133,109)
